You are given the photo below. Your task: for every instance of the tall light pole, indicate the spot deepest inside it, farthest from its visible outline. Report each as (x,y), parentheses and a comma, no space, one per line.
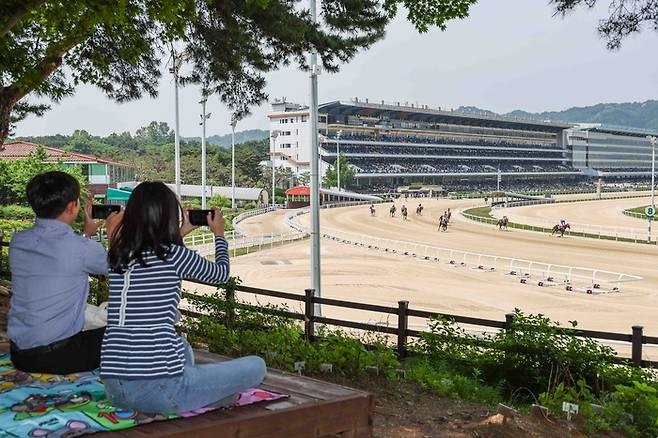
(273,135)
(177,61)
(315,175)
(234,121)
(338,158)
(176,66)
(204,117)
(652,141)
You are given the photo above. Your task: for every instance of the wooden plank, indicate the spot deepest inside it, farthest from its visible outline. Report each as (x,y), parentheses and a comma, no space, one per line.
(340,416)
(354,305)
(281,381)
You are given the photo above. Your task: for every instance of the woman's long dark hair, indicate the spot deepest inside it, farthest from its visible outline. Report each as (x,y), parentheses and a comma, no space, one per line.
(150,223)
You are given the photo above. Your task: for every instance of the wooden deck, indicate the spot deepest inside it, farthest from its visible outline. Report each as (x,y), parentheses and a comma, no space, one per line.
(314,409)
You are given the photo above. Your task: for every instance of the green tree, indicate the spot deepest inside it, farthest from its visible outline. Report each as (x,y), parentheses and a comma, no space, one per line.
(155,133)
(347,174)
(48,47)
(15,174)
(219,201)
(626,17)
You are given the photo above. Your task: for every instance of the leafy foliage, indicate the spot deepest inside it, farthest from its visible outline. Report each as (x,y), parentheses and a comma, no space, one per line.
(151,151)
(347,174)
(48,48)
(626,17)
(15,174)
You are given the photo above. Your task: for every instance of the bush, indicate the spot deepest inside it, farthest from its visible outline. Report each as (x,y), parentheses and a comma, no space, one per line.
(535,354)
(16,212)
(234,328)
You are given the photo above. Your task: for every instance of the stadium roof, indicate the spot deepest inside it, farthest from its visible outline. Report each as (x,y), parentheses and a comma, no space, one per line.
(620,130)
(437,116)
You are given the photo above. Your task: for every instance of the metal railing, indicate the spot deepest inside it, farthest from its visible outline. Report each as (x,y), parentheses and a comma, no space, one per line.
(574,278)
(253,243)
(402,332)
(634,214)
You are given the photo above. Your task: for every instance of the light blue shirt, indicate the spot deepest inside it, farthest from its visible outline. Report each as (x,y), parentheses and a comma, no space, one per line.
(50,267)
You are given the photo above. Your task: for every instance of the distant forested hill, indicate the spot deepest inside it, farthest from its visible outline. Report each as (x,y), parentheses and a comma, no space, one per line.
(631,114)
(240,137)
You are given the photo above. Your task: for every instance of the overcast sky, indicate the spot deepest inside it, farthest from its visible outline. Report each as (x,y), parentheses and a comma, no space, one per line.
(509,54)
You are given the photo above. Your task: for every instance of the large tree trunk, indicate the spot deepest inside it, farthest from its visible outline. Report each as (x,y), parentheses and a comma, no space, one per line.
(7,102)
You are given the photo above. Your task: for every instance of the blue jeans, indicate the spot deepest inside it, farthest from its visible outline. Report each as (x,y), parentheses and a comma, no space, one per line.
(213,384)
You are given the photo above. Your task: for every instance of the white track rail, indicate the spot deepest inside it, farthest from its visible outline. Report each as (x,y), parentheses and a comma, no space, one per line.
(543,274)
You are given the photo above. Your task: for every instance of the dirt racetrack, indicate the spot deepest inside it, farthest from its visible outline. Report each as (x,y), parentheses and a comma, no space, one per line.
(604,215)
(359,274)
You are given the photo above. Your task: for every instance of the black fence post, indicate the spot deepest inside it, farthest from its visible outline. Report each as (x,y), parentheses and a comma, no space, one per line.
(509,318)
(309,314)
(403,325)
(636,352)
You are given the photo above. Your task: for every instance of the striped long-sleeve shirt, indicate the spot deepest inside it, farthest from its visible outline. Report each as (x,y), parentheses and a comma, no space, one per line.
(140,340)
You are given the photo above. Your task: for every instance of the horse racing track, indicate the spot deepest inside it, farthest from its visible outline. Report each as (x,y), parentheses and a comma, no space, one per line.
(472,269)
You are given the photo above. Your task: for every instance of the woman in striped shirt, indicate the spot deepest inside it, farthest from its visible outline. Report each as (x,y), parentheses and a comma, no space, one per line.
(145,365)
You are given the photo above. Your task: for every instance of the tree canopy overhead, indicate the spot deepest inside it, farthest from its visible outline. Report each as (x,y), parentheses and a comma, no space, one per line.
(626,17)
(49,47)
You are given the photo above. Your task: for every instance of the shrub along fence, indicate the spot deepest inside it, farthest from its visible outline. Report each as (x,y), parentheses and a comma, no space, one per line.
(403,312)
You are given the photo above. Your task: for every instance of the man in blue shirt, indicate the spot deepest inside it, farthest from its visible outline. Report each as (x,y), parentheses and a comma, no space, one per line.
(50,266)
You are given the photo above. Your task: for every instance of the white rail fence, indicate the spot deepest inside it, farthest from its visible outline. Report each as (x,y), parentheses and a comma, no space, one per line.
(633,214)
(255,243)
(572,278)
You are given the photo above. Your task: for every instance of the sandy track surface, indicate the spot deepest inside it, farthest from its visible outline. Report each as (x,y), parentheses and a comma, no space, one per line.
(605,213)
(360,274)
(265,224)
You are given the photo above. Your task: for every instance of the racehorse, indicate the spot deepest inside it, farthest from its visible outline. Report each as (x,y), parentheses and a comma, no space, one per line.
(560,229)
(372,210)
(404,212)
(391,212)
(443,224)
(502,223)
(419,210)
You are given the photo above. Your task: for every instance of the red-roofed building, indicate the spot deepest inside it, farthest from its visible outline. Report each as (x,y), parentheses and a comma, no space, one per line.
(100,173)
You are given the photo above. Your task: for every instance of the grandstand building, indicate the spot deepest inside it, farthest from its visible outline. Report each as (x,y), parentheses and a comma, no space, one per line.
(609,152)
(395,145)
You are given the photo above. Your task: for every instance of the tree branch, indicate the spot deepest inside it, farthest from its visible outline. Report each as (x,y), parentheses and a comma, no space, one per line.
(21,8)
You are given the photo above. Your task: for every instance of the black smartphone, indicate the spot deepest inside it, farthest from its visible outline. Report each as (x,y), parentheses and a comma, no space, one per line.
(199,218)
(102,211)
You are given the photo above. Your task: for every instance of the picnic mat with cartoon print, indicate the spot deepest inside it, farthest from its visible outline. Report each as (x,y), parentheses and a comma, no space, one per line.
(54,406)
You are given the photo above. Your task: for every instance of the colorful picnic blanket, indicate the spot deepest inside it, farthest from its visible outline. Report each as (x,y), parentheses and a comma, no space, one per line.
(54,406)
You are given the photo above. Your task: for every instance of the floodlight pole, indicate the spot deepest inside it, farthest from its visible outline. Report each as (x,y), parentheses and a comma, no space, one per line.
(652,141)
(204,117)
(234,122)
(176,66)
(315,174)
(338,158)
(273,135)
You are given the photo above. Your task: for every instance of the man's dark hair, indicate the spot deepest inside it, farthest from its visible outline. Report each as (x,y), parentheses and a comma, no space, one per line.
(50,193)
